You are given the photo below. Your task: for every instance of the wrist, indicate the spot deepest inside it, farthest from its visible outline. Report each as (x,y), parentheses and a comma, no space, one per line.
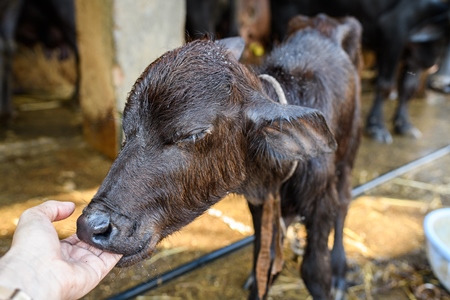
(14,275)
(13,294)
(17,274)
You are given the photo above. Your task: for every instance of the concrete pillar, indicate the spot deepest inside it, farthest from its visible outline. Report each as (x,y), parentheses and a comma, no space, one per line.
(117,40)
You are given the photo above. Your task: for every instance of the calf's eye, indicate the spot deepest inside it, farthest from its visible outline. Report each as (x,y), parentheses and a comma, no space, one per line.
(194,137)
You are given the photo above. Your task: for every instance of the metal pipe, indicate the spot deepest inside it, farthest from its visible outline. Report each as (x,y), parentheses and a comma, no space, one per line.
(361,189)
(190,266)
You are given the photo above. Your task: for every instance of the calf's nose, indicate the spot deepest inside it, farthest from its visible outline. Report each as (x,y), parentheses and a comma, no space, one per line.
(95,228)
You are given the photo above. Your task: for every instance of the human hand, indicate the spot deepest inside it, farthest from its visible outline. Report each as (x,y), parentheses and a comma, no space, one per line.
(44,267)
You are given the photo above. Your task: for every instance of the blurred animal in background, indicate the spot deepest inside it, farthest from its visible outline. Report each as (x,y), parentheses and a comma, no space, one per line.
(408,37)
(214,18)
(254,20)
(30,22)
(249,19)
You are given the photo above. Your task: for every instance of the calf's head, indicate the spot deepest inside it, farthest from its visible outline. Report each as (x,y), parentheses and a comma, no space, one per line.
(197,126)
(345,31)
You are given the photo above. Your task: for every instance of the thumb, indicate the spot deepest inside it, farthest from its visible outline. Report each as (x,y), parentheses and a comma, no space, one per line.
(44,214)
(51,210)
(35,223)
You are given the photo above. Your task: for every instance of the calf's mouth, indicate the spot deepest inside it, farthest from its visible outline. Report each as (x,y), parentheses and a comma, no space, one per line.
(116,234)
(140,255)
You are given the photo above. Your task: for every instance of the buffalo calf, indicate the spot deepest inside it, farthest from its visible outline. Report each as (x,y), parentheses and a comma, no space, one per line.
(199,125)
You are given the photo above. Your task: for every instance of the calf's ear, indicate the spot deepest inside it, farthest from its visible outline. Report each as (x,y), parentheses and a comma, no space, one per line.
(234,45)
(349,34)
(287,132)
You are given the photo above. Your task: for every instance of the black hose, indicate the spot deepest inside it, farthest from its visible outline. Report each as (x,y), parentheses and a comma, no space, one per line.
(183,269)
(190,266)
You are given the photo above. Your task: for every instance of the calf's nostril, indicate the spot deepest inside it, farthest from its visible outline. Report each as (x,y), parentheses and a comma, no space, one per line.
(100,224)
(95,227)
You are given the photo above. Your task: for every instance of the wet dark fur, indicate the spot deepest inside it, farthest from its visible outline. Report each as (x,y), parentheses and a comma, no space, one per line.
(199,125)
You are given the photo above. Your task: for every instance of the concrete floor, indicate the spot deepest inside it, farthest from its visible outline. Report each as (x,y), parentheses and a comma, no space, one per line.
(43,157)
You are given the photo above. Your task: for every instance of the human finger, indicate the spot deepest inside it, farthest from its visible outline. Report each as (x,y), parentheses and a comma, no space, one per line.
(51,210)
(74,241)
(35,227)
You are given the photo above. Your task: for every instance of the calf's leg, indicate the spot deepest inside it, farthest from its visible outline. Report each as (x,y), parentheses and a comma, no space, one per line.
(8,24)
(6,82)
(388,58)
(408,83)
(316,266)
(375,127)
(338,258)
(419,57)
(256,212)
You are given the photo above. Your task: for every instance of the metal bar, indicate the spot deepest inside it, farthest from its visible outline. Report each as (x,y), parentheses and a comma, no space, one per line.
(190,266)
(359,190)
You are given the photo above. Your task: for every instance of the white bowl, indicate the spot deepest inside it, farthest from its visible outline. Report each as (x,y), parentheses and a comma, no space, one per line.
(437,233)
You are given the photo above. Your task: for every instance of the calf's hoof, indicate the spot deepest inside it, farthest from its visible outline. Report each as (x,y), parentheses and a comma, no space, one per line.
(339,294)
(379,134)
(407,130)
(249,282)
(440,83)
(339,291)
